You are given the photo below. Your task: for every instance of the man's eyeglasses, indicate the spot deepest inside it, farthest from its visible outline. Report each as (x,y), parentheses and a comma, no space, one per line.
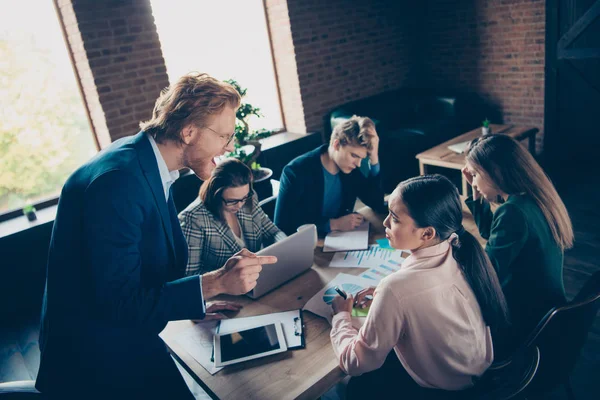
(229,138)
(233,202)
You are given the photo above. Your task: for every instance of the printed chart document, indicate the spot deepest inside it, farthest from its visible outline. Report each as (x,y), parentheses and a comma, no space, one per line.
(378,272)
(358,239)
(372,257)
(198,341)
(320,303)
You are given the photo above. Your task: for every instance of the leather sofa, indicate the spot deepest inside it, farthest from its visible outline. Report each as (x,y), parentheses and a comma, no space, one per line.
(409,121)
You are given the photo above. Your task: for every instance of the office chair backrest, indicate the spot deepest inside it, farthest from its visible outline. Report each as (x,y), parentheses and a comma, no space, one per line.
(507,381)
(185,190)
(562,332)
(268,206)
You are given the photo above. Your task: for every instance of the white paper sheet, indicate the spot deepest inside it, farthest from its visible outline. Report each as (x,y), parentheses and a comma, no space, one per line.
(320,303)
(358,239)
(198,341)
(459,147)
(372,257)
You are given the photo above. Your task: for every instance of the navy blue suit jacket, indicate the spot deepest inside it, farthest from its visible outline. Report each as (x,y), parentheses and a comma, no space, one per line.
(300,198)
(115,276)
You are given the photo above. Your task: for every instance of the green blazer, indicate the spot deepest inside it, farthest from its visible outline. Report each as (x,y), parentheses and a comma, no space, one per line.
(528,261)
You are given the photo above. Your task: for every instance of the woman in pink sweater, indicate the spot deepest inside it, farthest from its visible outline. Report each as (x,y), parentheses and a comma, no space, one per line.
(430,325)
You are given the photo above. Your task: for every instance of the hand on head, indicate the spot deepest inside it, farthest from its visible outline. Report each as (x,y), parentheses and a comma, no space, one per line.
(469,177)
(240,272)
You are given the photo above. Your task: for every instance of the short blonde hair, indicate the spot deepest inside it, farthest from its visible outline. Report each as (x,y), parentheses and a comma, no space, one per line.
(193,99)
(353,132)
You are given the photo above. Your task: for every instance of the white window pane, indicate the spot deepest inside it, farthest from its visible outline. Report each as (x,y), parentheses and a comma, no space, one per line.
(44,130)
(227,39)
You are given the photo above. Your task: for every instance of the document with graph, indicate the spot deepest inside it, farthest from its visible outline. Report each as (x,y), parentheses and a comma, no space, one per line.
(375,255)
(320,303)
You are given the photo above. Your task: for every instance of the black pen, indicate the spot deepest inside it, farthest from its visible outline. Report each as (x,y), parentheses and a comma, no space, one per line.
(341,292)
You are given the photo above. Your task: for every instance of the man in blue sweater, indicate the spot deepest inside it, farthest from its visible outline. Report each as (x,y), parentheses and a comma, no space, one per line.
(321,186)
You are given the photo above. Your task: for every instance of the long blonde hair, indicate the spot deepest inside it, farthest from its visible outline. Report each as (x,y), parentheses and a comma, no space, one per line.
(514,171)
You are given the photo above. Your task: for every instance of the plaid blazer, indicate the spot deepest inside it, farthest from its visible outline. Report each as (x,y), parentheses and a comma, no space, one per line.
(211,241)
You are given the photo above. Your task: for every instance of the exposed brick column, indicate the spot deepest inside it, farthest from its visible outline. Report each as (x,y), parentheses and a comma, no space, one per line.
(119,60)
(285,65)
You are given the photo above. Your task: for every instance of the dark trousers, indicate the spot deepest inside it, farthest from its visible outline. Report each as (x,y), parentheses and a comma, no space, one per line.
(391,381)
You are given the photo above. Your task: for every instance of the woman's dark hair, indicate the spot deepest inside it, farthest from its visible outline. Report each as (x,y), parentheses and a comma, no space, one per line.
(229,173)
(432,200)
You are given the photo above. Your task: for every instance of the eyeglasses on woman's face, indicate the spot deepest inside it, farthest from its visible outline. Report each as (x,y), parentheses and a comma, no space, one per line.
(234,202)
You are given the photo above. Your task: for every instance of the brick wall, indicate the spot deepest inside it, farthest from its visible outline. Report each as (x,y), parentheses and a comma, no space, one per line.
(492,47)
(349,49)
(327,53)
(119,60)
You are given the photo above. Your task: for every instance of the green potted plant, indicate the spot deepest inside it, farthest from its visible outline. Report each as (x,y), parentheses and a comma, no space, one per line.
(29,212)
(485,127)
(247,143)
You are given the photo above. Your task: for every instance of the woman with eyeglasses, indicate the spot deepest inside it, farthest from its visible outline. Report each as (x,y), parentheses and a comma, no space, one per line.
(224,219)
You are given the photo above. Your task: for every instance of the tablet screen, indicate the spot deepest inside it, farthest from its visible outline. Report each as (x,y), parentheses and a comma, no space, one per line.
(248,343)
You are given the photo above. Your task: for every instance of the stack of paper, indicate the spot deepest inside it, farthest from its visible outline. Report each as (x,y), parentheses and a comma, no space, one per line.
(459,147)
(358,239)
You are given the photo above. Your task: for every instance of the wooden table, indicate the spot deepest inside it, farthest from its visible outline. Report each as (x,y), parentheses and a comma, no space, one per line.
(442,156)
(297,374)
(304,374)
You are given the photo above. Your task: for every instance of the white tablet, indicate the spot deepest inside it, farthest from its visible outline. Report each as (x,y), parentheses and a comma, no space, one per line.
(248,344)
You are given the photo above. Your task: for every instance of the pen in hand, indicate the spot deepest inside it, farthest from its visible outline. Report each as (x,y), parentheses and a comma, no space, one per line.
(341,292)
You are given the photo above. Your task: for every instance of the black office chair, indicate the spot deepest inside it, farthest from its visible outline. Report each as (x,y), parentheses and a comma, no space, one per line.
(560,336)
(268,206)
(19,390)
(185,190)
(507,380)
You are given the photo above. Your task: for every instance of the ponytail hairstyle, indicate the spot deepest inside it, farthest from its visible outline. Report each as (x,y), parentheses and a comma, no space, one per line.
(514,171)
(229,173)
(432,200)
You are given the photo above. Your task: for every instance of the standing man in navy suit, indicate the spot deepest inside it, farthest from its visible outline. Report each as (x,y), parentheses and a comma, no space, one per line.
(117,256)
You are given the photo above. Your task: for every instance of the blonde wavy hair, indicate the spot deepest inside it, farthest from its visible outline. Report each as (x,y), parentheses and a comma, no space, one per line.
(353,132)
(193,99)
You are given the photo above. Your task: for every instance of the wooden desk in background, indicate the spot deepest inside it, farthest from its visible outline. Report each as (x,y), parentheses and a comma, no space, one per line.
(442,156)
(297,374)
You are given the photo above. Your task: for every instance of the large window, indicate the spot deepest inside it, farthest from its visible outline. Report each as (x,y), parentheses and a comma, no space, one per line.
(44,129)
(227,39)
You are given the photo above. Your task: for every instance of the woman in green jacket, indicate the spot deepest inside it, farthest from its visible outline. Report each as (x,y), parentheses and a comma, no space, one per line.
(528,232)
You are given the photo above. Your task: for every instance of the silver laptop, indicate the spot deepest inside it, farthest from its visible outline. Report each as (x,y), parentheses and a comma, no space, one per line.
(295,254)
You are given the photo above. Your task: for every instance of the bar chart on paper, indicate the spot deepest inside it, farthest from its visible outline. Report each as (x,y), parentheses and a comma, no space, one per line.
(374,256)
